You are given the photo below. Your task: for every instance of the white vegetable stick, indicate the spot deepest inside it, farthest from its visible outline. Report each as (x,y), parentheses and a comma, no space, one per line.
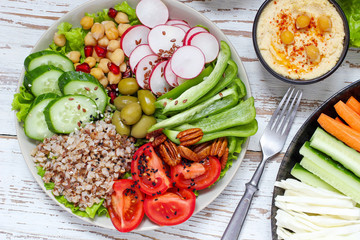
(297,225)
(317,201)
(345,213)
(333,232)
(283,233)
(292,184)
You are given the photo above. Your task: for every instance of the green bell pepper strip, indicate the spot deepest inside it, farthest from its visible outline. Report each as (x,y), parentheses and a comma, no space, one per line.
(241,114)
(176,92)
(228,76)
(213,105)
(242,88)
(231,144)
(190,96)
(238,131)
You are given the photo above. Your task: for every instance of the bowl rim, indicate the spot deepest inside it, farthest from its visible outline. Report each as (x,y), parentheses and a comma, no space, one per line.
(294,141)
(229,175)
(298,81)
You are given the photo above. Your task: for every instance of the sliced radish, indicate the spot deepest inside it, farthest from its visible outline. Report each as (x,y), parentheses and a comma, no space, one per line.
(133,37)
(137,54)
(183,27)
(187,62)
(157,82)
(192,32)
(152,12)
(144,68)
(207,43)
(164,39)
(176,21)
(170,76)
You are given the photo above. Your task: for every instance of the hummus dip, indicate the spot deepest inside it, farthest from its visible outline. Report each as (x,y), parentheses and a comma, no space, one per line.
(300,39)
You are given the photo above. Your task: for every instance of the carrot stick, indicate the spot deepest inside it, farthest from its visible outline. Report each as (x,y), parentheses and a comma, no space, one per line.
(339,120)
(342,132)
(353,104)
(348,115)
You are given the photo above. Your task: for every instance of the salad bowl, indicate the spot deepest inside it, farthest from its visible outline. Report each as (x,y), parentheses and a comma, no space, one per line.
(177,10)
(305,132)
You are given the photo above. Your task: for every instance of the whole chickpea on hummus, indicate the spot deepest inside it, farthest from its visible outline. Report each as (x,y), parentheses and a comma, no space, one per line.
(300,39)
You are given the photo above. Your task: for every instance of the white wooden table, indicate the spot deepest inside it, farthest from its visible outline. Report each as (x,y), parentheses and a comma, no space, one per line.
(26,212)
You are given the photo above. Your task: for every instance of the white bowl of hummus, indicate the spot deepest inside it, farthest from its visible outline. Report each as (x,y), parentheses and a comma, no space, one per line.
(301,41)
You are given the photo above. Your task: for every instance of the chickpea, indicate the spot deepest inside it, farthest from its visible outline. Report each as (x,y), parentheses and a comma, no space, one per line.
(91,61)
(90,40)
(76,64)
(98,31)
(108,54)
(113,45)
(324,23)
(103,64)
(87,22)
(114,79)
(287,37)
(59,39)
(104,81)
(97,58)
(121,18)
(108,25)
(117,57)
(104,41)
(97,73)
(122,28)
(74,56)
(112,33)
(123,67)
(312,53)
(302,21)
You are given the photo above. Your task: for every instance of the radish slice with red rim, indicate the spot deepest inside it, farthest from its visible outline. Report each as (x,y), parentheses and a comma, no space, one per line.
(157,82)
(152,12)
(192,32)
(133,37)
(170,76)
(177,21)
(137,54)
(207,43)
(187,62)
(165,39)
(183,27)
(144,68)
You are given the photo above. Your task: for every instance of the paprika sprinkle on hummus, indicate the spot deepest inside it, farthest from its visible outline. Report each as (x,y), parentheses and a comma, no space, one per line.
(300,39)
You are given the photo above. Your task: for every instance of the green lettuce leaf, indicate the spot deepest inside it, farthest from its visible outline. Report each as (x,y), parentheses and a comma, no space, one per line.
(233,151)
(125,7)
(21,103)
(100,16)
(351,10)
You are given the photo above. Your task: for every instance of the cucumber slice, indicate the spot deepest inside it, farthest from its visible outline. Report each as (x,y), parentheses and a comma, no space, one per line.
(35,126)
(330,172)
(43,79)
(66,114)
(307,177)
(48,57)
(337,150)
(84,84)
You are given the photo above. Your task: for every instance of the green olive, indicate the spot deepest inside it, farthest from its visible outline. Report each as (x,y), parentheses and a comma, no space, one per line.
(131,113)
(139,130)
(121,101)
(147,100)
(121,128)
(128,86)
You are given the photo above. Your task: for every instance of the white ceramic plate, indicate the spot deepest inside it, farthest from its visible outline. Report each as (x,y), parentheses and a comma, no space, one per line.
(177,10)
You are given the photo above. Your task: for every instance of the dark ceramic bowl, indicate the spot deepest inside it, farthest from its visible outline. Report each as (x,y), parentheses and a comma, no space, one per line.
(298,81)
(304,134)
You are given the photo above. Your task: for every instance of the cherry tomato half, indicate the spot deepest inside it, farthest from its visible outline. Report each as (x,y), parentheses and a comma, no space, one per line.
(149,171)
(170,208)
(126,209)
(189,175)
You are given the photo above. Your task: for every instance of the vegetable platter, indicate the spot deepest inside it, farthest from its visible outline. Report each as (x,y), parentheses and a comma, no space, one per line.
(77,106)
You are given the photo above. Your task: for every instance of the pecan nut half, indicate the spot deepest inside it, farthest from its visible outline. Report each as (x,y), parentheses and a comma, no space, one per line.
(188,154)
(169,153)
(224,158)
(156,137)
(218,147)
(203,150)
(190,136)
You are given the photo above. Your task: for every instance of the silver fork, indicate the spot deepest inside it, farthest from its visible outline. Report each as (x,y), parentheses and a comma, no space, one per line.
(271,142)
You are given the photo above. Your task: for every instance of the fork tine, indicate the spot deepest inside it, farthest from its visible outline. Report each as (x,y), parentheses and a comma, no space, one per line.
(280,119)
(292,112)
(280,127)
(275,114)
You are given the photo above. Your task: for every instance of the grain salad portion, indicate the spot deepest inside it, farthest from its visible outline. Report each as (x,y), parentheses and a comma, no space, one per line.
(84,164)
